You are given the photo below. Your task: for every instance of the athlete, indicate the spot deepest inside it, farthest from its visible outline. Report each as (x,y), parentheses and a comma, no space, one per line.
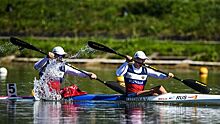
(61,68)
(135,76)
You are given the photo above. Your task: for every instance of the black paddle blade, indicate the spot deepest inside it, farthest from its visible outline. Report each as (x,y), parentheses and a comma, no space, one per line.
(197,85)
(23,44)
(115,86)
(20,43)
(100,47)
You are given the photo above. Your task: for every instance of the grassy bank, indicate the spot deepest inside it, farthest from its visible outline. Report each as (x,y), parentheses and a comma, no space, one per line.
(194,50)
(165,19)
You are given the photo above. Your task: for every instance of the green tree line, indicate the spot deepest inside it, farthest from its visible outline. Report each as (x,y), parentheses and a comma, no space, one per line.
(162,19)
(193,50)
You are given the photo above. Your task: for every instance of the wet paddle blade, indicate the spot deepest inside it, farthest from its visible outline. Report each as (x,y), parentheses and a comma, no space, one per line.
(100,47)
(113,85)
(23,44)
(194,84)
(197,85)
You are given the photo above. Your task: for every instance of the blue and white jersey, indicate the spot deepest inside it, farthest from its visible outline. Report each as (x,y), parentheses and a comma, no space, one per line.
(133,77)
(136,78)
(122,70)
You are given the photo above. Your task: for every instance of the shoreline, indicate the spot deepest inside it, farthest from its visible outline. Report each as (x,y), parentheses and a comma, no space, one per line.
(120,61)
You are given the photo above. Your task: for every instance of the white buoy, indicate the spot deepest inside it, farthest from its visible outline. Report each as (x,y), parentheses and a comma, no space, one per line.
(3,72)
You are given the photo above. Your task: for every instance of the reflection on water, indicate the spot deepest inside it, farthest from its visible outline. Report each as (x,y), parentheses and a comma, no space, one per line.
(191,114)
(47,112)
(15,112)
(104,112)
(3,79)
(41,112)
(11,109)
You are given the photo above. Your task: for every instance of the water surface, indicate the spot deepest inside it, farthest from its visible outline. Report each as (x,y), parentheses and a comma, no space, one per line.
(103,112)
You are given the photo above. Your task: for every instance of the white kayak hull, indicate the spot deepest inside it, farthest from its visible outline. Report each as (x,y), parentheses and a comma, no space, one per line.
(169,97)
(178,97)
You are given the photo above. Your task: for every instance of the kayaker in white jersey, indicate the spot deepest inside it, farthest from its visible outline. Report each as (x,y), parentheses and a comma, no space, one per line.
(58,54)
(135,76)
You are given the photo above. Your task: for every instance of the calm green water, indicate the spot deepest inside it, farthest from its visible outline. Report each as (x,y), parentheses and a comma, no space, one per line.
(105,112)
(23,75)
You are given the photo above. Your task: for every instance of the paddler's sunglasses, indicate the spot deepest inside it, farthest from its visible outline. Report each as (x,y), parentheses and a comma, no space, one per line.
(139,61)
(57,55)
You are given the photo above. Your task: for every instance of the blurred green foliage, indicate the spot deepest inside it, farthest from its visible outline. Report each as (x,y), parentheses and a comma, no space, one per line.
(165,19)
(194,50)
(124,25)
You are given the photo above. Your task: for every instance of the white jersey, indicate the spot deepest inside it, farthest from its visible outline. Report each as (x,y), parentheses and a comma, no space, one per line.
(40,65)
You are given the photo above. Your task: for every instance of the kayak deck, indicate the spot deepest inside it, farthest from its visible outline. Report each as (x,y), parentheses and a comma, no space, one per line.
(169,97)
(106,97)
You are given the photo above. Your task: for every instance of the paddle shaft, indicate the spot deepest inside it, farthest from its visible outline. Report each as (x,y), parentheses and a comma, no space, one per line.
(124,56)
(85,73)
(113,85)
(148,66)
(101,47)
(196,85)
(23,44)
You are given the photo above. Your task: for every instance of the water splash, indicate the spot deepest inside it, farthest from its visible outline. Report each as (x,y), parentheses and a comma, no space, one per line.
(83,51)
(41,88)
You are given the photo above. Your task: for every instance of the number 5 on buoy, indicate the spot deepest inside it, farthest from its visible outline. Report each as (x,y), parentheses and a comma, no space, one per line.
(11,90)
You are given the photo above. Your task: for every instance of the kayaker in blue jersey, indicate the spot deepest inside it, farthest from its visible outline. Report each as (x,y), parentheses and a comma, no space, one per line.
(58,53)
(135,76)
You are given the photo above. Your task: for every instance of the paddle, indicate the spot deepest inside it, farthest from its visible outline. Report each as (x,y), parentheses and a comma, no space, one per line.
(113,85)
(194,84)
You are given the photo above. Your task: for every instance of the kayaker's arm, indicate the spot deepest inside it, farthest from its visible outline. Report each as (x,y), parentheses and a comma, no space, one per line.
(92,75)
(122,69)
(38,65)
(74,72)
(159,75)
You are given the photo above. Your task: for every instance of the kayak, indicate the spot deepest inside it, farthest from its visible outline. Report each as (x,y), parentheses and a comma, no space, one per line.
(169,97)
(17,98)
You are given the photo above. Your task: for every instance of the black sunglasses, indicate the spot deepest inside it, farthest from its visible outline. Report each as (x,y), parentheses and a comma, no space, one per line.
(59,55)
